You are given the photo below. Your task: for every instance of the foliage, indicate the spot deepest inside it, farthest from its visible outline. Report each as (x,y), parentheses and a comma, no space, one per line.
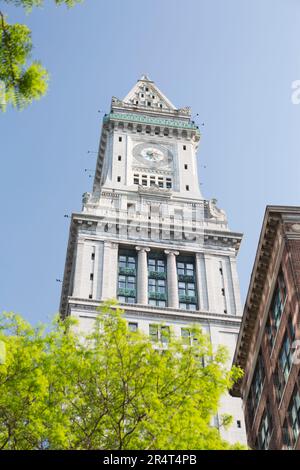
(29,4)
(109,389)
(21,82)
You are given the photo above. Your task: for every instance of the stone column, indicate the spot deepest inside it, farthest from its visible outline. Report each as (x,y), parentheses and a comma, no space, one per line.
(142,275)
(173,298)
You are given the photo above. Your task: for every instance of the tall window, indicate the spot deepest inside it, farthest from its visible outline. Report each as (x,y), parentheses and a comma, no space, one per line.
(284,363)
(157,287)
(188,337)
(294,414)
(256,387)
(127,278)
(276,309)
(186,284)
(265,430)
(285,358)
(159,333)
(286,439)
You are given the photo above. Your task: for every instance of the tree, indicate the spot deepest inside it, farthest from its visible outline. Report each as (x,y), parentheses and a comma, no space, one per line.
(109,389)
(21,82)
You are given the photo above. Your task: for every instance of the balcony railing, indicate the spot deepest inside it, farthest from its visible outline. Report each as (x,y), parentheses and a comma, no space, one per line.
(157,295)
(127,271)
(186,278)
(157,275)
(127,292)
(189,299)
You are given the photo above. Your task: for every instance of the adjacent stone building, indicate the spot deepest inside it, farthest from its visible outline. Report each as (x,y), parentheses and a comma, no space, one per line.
(147,236)
(266,347)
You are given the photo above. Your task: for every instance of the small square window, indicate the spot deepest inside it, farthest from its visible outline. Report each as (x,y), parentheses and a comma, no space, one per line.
(147,89)
(148,103)
(185,166)
(187,187)
(136,181)
(119,179)
(184,147)
(132,326)
(119,158)
(90,296)
(142,95)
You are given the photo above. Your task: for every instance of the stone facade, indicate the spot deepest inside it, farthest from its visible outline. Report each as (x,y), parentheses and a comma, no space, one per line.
(147,236)
(266,350)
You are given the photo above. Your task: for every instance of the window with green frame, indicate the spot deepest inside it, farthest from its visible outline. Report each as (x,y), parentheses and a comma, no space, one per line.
(186,284)
(157,283)
(127,277)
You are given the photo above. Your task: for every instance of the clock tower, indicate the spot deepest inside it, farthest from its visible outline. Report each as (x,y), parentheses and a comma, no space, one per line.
(148,237)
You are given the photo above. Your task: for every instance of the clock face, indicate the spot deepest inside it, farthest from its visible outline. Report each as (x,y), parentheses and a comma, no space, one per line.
(153,155)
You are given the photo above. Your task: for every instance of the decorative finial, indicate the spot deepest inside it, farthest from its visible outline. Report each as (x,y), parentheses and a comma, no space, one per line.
(145,78)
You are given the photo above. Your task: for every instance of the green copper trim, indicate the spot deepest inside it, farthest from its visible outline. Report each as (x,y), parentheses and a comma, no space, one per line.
(150,120)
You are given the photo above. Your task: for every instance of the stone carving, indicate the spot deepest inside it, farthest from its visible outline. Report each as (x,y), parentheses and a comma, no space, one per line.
(185,110)
(117,101)
(215,212)
(295,227)
(154,189)
(86,197)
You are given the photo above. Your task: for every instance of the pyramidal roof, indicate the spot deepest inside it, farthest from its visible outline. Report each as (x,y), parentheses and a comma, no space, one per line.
(146,93)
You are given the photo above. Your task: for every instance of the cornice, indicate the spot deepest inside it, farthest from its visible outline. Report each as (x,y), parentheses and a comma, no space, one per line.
(260,269)
(144,311)
(144,119)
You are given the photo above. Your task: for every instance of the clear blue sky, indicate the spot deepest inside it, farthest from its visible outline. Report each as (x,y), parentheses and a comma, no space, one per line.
(233,61)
